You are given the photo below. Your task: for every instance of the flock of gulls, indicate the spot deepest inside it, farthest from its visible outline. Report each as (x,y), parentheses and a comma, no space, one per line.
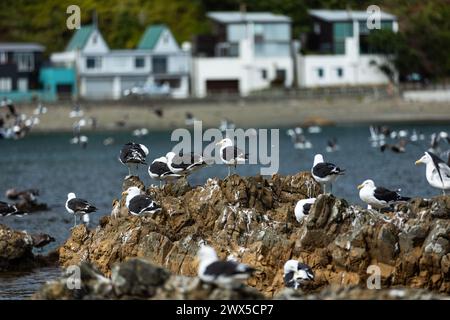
(172,166)
(230,273)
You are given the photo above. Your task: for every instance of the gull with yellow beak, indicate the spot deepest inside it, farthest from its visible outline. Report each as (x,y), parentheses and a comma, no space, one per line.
(231,155)
(378,197)
(138,203)
(437,171)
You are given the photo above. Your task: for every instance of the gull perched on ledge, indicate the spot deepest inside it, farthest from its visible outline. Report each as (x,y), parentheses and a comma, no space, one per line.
(378,197)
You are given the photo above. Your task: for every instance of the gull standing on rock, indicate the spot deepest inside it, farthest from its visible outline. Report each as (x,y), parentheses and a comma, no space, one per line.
(296,274)
(138,203)
(436,171)
(184,164)
(78,207)
(159,170)
(227,274)
(133,154)
(324,172)
(378,197)
(231,155)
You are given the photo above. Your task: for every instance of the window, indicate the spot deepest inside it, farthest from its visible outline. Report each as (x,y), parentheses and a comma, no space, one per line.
(22,84)
(166,38)
(94,39)
(93,63)
(24,61)
(320,72)
(159,65)
(316,28)
(139,62)
(5,84)
(3,57)
(339,72)
(264,73)
(341,31)
(281,75)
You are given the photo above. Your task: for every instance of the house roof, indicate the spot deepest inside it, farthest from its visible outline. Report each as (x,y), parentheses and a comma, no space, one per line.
(237,16)
(21,46)
(347,15)
(150,37)
(79,39)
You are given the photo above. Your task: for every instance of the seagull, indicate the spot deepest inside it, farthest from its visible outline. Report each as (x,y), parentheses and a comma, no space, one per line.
(76,111)
(296,273)
(28,195)
(159,170)
(138,203)
(378,197)
(40,109)
(7,209)
(324,172)
(158,112)
(41,240)
(184,164)
(133,154)
(302,208)
(222,273)
(189,119)
(437,171)
(314,129)
(78,207)
(226,124)
(397,148)
(332,145)
(231,155)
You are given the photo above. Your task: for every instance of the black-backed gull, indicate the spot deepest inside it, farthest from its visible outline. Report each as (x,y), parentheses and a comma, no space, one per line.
(78,207)
(302,208)
(230,154)
(296,274)
(139,203)
(222,273)
(133,154)
(324,172)
(378,197)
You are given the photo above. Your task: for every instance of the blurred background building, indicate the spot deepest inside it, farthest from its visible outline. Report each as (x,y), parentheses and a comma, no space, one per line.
(246,52)
(338,50)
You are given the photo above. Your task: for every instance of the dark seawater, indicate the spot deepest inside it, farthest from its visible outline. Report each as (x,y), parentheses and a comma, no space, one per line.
(48,162)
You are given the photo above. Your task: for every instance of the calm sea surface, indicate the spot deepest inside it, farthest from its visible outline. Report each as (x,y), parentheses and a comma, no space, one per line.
(48,162)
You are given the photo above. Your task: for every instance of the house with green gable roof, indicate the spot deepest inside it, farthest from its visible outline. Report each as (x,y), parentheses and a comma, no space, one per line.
(104,73)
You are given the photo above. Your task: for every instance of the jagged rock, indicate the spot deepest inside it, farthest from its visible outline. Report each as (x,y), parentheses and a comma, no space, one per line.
(137,279)
(16,251)
(252,219)
(357,293)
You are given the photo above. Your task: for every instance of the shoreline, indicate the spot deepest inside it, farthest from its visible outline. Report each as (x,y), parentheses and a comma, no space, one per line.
(244,113)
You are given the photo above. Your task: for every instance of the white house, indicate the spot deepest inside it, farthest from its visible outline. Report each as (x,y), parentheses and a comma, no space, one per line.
(342,55)
(248,52)
(105,74)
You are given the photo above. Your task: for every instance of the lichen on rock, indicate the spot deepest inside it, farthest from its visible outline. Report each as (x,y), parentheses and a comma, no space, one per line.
(252,220)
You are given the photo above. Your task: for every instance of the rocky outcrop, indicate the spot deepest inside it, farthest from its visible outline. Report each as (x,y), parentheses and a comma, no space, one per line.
(252,219)
(138,279)
(16,251)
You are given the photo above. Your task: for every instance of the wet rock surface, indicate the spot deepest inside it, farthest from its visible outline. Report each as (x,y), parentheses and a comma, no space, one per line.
(139,279)
(252,219)
(16,251)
